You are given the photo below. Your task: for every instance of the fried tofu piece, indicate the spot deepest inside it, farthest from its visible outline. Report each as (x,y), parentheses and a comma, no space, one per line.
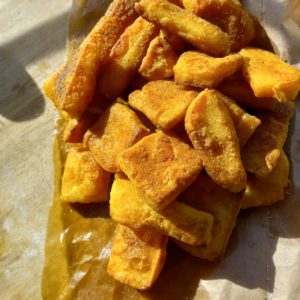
(211,130)
(229,15)
(262,151)
(159,60)
(93,55)
(116,130)
(201,70)
(266,191)
(245,124)
(126,58)
(179,221)
(200,33)
(269,76)
(207,196)
(161,166)
(137,256)
(83,179)
(163,102)
(236,88)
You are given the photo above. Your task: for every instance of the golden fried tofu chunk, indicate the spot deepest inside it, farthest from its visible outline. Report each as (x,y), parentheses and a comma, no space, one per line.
(159,60)
(163,102)
(92,55)
(204,71)
(211,130)
(116,130)
(236,88)
(207,196)
(83,179)
(177,220)
(245,124)
(269,76)
(266,191)
(161,166)
(126,58)
(262,151)
(200,33)
(229,15)
(137,256)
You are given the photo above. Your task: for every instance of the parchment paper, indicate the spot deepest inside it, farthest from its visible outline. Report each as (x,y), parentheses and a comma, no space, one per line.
(263,257)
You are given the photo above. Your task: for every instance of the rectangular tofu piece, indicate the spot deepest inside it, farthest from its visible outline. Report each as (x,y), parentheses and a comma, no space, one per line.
(238,89)
(207,196)
(83,179)
(266,191)
(159,60)
(82,70)
(210,127)
(161,166)
(163,102)
(270,76)
(200,33)
(198,69)
(229,15)
(126,58)
(262,151)
(179,221)
(116,130)
(245,124)
(137,256)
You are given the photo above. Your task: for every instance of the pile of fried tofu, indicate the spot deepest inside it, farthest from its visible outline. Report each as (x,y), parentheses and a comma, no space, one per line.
(176,117)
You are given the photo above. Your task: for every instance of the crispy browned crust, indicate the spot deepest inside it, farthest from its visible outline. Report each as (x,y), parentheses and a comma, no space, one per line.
(212,132)
(84,68)
(126,58)
(137,256)
(229,15)
(201,70)
(161,166)
(163,102)
(177,220)
(200,33)
(75,87)
(116,130)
